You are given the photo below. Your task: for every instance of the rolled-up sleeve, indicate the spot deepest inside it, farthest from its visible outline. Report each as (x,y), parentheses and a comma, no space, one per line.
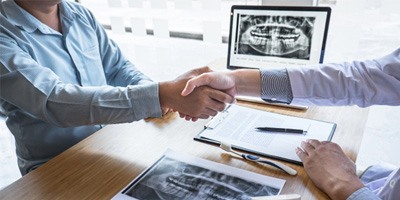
(275,86)
(363,194)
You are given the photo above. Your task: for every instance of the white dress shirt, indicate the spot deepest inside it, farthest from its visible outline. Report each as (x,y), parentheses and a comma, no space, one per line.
(361,83)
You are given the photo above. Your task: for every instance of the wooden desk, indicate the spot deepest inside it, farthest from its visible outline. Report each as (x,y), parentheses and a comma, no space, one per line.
(104,163)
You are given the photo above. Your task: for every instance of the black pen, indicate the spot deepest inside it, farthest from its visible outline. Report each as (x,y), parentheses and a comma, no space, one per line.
(281,130)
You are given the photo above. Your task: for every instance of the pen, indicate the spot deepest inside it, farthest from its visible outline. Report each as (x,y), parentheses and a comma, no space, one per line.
(281,130)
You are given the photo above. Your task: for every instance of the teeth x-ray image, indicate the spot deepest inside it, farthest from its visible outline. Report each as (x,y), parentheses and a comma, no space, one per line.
(171,179)
(278,36)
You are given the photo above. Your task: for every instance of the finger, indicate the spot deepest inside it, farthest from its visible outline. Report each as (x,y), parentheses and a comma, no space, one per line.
(214,106)
(195,82)
(222,96)
(218,99)
(231,91)
(306,147)
(194,119)
(301,154)
(181,115)
(313,142)
(210,112)
(203,117)
(325,142)
(188,118)
(204,69)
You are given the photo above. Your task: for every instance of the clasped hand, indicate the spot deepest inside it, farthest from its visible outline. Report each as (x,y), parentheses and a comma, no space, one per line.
(201,102)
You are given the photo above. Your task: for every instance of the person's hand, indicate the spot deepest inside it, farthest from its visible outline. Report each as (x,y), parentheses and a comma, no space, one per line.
(201,103)
(194,73)
(165,111)
(188,75)
(218,80)
(329,168)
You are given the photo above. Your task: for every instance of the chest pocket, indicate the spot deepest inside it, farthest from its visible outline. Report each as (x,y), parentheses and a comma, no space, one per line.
(93,66)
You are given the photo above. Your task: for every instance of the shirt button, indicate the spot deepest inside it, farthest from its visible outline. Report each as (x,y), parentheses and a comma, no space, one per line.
(392,183)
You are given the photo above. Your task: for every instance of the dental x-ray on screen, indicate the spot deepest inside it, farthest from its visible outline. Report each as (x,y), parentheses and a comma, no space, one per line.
(275,36)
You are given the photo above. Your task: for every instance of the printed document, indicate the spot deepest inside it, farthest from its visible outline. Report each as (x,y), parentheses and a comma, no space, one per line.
(237,126)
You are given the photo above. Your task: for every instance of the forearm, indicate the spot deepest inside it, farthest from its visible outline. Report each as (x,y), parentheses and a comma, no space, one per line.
(247,82)
(72,105)
(362,83)
(341,190)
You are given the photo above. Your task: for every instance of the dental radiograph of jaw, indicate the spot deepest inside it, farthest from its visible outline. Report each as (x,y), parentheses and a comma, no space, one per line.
(278,36)
(172,179)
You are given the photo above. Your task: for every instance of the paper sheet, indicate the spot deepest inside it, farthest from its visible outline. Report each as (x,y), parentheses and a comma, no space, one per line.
(238,127)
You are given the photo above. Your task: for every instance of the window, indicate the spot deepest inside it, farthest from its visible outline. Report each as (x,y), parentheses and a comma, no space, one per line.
(181,18)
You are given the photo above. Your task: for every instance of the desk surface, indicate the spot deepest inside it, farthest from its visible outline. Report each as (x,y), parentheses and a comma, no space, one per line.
(104,163)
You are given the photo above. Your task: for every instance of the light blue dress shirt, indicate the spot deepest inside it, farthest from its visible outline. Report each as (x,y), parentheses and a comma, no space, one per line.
(58,88)
(362,83)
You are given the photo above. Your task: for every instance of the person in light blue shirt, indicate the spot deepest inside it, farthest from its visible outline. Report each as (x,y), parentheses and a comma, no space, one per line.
(362,83)
(62,78)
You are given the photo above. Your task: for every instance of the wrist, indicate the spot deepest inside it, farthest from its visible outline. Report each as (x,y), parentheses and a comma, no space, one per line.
(247,82)
(343,189)
(163,91)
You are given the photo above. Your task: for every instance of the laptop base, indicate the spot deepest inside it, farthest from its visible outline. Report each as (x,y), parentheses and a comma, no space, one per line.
(259,100)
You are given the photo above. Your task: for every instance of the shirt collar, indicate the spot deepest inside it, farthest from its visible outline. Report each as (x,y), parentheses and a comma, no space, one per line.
(66,13)
(28,22)
(19,17)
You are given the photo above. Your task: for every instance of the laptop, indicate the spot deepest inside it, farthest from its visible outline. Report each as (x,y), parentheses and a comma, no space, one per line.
(276,37)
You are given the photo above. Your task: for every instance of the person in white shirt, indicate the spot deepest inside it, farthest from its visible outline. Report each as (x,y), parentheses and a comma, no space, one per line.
(362,83)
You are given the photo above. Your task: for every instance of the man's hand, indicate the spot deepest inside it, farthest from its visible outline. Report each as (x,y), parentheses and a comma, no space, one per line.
(329,168)
(218,80)
(201,103)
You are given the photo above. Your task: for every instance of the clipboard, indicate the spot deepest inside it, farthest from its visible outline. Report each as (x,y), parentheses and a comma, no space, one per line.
(237,124)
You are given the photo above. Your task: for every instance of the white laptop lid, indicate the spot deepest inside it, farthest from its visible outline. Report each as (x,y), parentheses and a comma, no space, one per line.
(277,36)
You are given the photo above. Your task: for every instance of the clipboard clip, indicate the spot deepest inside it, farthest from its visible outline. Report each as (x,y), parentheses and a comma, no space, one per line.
(215,121)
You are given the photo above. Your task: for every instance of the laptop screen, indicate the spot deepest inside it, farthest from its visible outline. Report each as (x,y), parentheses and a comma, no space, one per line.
(277,36)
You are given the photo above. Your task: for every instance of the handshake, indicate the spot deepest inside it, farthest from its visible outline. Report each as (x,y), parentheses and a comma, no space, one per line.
(201,93)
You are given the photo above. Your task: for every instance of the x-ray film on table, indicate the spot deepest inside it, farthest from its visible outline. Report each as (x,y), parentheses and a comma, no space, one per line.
(179,176)
(237,126)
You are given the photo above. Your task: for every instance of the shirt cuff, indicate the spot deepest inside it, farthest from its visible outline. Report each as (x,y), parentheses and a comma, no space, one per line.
(363,194)
(145,100)
(275,86)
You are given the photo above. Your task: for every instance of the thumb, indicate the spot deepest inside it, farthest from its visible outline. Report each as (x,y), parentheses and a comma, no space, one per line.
(193,83)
